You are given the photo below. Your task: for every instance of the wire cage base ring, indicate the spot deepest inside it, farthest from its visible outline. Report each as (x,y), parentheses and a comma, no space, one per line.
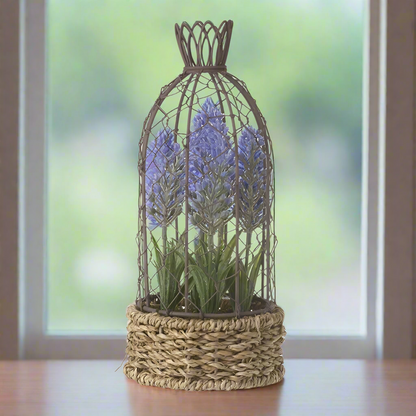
(259,306)
(205,354)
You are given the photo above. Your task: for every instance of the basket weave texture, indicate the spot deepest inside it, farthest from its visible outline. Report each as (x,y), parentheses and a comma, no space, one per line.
(205,354)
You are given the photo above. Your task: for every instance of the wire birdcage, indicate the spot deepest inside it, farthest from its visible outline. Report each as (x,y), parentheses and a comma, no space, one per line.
(206,234)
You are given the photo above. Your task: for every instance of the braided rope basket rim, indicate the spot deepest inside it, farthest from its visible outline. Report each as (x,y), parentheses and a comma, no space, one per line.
(205,354)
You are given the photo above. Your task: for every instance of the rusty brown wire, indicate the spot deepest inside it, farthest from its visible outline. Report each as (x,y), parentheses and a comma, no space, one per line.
(204,49)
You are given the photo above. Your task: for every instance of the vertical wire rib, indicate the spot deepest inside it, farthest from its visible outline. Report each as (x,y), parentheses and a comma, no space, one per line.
(188,133)
(178,115)
(225,235)
(144,232)
(236,200)
(263,236)
(142,191)
(269,168)
(272,278)
(139,241)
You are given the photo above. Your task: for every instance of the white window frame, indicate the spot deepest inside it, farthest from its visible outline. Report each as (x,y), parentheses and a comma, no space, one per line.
(379,218)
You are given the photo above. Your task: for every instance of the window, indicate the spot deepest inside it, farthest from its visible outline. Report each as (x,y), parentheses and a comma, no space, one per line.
(305,69)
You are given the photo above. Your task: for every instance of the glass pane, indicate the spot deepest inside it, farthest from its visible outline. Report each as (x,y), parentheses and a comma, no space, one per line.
(302,61)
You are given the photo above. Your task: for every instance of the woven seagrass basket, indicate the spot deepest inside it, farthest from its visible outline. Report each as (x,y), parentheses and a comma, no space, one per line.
(205,354)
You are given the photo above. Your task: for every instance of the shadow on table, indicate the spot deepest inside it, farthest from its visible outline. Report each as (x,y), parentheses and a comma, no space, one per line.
(152,401)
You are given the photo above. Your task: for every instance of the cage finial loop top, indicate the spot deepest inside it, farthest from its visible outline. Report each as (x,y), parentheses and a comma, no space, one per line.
(204,45)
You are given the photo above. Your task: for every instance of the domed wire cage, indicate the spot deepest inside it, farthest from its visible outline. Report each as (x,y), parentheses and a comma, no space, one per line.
(206,234)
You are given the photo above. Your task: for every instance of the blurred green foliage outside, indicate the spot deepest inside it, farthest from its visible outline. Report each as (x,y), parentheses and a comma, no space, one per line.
(303,63)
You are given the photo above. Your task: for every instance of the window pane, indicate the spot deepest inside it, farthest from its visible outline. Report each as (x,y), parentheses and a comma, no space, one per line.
(302,61)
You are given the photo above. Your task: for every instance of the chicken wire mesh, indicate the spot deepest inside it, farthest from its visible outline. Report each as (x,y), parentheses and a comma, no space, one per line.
(206,234)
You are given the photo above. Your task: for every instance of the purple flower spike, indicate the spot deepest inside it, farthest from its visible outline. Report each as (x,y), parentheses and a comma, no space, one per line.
(211,169)
(165,179)
(252,169)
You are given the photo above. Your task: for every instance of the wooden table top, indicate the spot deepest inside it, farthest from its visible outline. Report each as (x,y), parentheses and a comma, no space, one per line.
(311,387)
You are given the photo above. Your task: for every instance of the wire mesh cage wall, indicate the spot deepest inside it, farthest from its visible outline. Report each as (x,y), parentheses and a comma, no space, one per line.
(206,190)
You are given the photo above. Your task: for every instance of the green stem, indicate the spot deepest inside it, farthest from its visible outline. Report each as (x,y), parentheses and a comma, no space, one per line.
(210,250)
(248,245)
(163,271)
(211,242)
(212,272)
(220,236)
(164,240)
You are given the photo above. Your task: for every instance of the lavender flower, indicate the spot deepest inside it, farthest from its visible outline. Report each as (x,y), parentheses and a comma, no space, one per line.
(252,187)
(252,169)
(211,169)
(165,177)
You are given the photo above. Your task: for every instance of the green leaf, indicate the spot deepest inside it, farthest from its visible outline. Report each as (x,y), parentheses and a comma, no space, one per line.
(255,266)
(229,250)
(157,252)
(202,286)
(247,281)
(169,272)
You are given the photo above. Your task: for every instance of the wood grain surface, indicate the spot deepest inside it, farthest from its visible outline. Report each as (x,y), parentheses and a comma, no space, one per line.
(311,387)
